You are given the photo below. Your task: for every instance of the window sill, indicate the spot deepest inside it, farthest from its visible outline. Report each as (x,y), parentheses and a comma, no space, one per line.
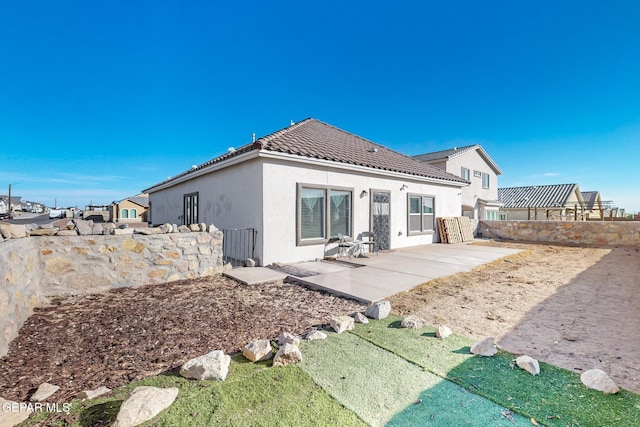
(420,233)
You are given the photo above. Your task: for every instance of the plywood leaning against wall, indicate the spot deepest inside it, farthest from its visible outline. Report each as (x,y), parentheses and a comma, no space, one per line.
(455,229)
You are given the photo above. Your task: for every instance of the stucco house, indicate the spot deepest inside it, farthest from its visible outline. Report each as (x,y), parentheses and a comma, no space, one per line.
(130,210)
(593,206)
(301,187)
(473,164)
(542,202)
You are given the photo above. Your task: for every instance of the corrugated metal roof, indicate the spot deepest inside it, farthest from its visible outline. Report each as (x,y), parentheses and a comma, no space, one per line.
(537,196)
(315,139)
(590,198)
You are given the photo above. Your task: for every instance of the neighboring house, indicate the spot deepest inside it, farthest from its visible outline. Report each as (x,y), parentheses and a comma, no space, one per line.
(472,163)
(301,187)
(542,202)
(16,204)
(593,206)
(131,209)
(32,207)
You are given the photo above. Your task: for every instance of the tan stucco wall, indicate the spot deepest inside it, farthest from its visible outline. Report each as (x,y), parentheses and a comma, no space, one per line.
(126,204)
(565,232)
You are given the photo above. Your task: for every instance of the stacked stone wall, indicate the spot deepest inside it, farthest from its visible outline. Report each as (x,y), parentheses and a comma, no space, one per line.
(34,268)
(579,233)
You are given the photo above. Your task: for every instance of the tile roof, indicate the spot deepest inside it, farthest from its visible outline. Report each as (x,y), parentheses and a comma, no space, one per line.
(457,151)
(312,138)
(445,154)
(538,196)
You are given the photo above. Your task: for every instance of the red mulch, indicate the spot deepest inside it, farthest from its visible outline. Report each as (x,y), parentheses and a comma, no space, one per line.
(110,339)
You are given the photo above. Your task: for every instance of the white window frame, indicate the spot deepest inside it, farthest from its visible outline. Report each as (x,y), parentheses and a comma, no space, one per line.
(465,173)
(486,183)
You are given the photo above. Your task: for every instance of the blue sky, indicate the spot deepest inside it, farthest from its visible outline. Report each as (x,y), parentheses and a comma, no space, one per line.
(101,99)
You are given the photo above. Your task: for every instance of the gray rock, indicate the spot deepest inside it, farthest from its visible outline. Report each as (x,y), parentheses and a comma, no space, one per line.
(44,391)
(484,347)
(203,227)
(360,318)
(257,351)
(15,413)
(98,228)
(175,227)
(315,335)
(342,323)
(1,238)
(212,228)
(249,262)
(412,322)
(184,229)
(123,226)
(67,233)
(379,310)
(287,338)
(166,228)
(597,379)
(287,354)
(143,404)
(529,364)
(5,230)
(84,227)
(144,231)
(122,231)
(211,366)
(443,332)
(109,226)
(92,394)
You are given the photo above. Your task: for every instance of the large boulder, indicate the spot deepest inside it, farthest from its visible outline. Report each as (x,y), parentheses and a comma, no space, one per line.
(597,379)
(211,366)
(18,231)
(342,323)
(143,404)
(484,347)
(379,310)
(84,227)
(258,350)
(5,230)
(287,354)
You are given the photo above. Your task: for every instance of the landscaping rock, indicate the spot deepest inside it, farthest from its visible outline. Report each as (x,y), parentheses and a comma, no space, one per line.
(97,229)
(84,227)
(443,332)
(211,366)
(257,351)
(203,227)
(286,337)
(360,318)
(184,229)
(484,347)
(43,232)
(412,322)
(166,228)
(44,391)
(5,230)
(18,231)
(122,231)
(212,228)
(316,335)
(92,394)
(529,364)
(287,354)
(67,233)
(12,414)
(249,262)
(597,379)
(194,227)
(342,323)
(143,404)
(175,227)
(379,310)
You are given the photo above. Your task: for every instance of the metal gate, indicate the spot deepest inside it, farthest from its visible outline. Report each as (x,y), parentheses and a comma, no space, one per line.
(237,245)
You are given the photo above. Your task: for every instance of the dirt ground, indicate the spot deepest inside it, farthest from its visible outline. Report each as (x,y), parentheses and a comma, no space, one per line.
(578,308)
(110,339)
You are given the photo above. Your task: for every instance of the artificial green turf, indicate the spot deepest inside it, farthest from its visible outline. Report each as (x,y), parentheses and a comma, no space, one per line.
(383,388)
(253,394)
(556,397)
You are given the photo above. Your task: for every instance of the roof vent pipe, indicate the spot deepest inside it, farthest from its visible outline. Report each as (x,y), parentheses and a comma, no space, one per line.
(253,137)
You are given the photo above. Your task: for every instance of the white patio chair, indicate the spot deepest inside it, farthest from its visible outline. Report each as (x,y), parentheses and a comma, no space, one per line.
(371,242)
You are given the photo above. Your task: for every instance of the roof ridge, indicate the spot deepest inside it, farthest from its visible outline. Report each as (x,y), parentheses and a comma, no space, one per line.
(273,135)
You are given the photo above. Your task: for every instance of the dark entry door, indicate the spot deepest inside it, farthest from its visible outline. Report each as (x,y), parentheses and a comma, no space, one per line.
(381,218)
(190,209)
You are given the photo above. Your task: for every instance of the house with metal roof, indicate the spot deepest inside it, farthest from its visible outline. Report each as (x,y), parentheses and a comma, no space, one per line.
(300,188)
(542,202)
(473,164)
(593,205)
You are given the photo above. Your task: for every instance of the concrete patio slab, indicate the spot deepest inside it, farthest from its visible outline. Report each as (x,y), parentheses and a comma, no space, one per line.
(254,275)
(398,270)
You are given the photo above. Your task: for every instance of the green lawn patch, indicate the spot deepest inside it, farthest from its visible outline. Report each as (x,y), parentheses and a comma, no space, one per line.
(383,388)
(556,397)
(252,394)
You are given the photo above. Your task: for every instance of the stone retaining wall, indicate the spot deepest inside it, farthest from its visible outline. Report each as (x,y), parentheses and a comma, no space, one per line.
(564,232)
(34,268)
